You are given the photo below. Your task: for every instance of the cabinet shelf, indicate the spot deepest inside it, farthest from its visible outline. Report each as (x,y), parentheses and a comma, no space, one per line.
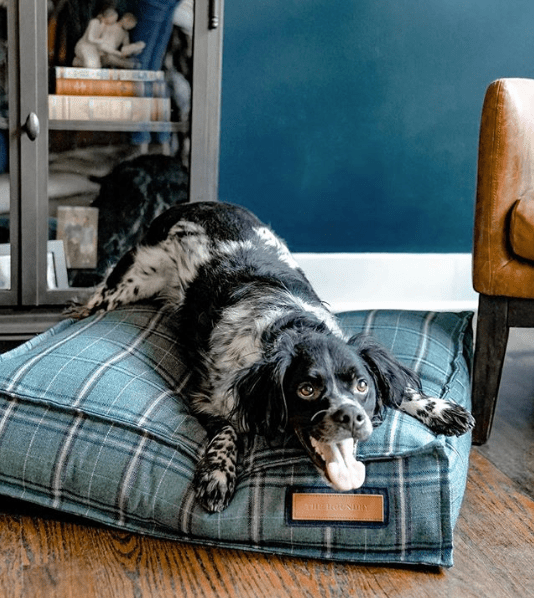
(110,125)
(116,125)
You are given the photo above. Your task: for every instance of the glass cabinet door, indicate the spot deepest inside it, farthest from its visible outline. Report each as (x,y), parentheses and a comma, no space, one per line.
(8,271)
(117,119)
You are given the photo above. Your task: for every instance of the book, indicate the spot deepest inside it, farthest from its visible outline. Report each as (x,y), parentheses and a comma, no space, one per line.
(74,72)
(108,87)
(77,107)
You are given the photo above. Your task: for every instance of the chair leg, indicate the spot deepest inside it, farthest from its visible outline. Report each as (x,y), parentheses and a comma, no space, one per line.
(490,349)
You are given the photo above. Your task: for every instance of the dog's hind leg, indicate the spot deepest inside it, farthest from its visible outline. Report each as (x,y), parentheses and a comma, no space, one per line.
(439,415)
(141,273)
(160,270)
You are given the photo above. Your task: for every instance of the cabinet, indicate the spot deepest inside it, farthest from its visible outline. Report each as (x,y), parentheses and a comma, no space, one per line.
(32,256)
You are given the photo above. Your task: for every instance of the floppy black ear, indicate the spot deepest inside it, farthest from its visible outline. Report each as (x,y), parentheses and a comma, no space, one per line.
(261,406)
(392,377)
(259,391)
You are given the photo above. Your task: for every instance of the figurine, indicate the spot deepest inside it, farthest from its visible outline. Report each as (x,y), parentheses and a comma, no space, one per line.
(115,43)
(106,42)
(87,50)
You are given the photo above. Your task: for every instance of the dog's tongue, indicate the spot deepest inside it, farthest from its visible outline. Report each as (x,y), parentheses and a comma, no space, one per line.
(344,472)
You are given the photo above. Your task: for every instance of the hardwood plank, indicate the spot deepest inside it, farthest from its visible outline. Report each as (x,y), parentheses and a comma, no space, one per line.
(11,570)
(61,559)
(494,555)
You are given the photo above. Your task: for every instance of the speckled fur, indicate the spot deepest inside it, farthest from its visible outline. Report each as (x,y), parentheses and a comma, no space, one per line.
(255,330)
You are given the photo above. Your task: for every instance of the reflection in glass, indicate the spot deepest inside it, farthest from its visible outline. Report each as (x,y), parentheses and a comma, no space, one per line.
(56,271)
(119,109)
(5,267)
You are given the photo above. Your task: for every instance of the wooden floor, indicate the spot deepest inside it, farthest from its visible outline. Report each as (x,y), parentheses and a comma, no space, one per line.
(494,538)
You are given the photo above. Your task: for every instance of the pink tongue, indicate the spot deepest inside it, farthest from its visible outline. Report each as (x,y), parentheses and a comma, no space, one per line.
(344,472)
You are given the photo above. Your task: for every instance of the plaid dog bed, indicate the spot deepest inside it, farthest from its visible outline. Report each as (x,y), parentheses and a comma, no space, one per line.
(92,423)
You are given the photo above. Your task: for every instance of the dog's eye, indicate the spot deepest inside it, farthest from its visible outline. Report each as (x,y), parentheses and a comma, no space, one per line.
(306,390)
(362,385)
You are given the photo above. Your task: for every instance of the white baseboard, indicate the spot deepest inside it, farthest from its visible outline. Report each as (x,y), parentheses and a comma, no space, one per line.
(415,281)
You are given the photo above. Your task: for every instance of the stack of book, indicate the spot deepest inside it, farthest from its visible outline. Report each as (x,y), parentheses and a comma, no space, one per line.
(108,94)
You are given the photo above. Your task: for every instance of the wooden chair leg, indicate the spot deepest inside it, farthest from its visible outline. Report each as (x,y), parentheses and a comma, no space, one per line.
(490,349)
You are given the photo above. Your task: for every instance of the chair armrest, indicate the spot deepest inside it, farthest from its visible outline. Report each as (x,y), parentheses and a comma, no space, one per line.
(505,175)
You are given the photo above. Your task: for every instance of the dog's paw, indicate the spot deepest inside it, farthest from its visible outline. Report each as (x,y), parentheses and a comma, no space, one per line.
(215,476)
(214,488)
(451,420)
(96,303)
(439,415)
(77,311)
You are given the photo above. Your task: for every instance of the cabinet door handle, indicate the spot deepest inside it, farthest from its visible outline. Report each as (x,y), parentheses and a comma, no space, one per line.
(31,126)
(214,15)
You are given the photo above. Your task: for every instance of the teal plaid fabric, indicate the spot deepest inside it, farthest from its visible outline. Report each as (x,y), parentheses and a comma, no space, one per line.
(92,423)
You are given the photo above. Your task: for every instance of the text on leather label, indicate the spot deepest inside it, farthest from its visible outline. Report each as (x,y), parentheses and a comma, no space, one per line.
(338,507)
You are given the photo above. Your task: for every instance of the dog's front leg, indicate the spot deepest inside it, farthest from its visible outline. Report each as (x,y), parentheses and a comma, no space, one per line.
(215,475)
(440,415)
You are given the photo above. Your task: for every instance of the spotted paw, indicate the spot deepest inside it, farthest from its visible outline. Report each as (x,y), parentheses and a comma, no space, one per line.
(214,488)
(452,420)
(440,415)
(216,471)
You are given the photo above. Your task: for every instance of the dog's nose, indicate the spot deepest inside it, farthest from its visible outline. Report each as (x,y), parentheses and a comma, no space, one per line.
(349,416)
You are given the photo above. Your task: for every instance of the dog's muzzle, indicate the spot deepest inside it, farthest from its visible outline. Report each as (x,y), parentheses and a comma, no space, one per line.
(352,419)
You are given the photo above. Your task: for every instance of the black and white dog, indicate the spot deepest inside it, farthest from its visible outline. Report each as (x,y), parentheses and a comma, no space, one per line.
(263,351)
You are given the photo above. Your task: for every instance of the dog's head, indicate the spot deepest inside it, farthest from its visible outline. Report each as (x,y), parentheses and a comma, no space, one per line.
(331,392)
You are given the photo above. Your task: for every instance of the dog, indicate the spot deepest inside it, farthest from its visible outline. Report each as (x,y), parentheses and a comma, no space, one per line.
(131,196)
(264,353)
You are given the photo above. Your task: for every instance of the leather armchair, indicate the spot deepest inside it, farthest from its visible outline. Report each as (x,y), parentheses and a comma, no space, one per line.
(503,249)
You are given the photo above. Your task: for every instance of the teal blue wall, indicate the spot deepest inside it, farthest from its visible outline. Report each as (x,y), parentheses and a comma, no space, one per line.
(353,125)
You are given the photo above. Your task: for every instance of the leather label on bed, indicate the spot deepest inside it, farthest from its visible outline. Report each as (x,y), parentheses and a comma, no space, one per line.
(324,507)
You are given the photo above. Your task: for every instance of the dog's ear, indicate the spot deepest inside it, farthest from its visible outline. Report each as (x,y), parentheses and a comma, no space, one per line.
(392,377)
(261,405)
(260,400)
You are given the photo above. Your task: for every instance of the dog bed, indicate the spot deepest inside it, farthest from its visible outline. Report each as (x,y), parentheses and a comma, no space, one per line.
(92,423)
